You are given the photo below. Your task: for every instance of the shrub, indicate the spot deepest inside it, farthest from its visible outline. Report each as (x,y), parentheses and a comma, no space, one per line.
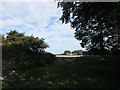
(23,52)
(22,59)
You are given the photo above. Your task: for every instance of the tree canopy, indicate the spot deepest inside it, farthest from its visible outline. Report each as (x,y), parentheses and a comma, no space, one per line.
(97,25)
(67,52)
(29,43)
(77,52)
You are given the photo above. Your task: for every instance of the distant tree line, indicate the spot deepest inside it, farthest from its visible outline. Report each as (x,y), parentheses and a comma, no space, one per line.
(75,52)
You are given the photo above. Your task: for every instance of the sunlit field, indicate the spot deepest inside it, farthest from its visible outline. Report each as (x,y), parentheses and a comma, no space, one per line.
(69,55)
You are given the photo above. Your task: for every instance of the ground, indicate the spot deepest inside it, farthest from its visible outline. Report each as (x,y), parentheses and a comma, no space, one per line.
(77,72)
(69,55)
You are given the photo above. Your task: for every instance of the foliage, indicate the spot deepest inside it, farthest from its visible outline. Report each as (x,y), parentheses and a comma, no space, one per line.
(20,53)
(13,36)
(96,24)
(1,38)
(29,43)
(14,59)
(67,52)
(77,52)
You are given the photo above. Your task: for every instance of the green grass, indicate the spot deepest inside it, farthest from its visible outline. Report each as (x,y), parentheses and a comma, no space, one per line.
(82,72)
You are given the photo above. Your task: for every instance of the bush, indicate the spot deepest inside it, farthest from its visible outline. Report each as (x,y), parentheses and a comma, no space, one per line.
(16,58)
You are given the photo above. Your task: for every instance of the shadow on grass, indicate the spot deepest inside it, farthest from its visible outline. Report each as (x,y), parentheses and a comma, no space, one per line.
(82,72)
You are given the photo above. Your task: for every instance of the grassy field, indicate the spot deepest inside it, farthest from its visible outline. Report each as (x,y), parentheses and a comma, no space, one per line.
(82,72)
(69,55)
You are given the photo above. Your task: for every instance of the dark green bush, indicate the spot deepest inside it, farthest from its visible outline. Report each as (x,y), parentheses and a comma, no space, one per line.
(16,58)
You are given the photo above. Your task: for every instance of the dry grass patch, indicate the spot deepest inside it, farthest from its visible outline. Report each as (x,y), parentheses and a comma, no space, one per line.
(69,55)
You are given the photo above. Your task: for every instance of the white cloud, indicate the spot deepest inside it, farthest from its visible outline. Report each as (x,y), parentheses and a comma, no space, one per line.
(40,19)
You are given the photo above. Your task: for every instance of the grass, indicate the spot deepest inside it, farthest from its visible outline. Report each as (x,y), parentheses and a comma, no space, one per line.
(82,72)
(68,56)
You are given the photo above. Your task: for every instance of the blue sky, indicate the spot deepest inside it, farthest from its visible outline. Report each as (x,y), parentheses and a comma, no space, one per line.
(40,18)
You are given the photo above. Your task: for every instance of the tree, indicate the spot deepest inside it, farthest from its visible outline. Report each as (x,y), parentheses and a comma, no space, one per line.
(20,53)
(96,24)
(2,38)
(34,44)
(77,52)
(14,36)
(29,43)
(67,52)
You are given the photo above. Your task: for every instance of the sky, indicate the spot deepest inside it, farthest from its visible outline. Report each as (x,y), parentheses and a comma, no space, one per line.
(39,18)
